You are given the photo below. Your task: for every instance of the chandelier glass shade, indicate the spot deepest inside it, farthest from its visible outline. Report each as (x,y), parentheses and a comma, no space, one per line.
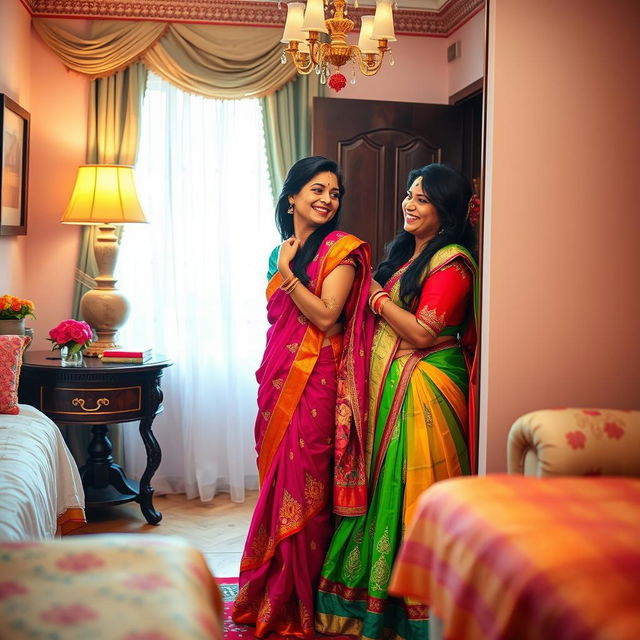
(309,53)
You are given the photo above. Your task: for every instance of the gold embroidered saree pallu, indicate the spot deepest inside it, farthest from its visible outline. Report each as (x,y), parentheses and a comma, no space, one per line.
(295,434)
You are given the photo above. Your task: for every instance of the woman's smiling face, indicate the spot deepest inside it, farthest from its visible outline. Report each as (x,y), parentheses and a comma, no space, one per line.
(317,202)
(420,216)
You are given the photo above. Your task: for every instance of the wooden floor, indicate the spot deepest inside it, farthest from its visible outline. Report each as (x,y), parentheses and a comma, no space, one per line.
(217,528)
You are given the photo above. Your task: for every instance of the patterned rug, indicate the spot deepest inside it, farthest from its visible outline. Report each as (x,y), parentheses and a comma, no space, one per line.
(229,589)
(232,631)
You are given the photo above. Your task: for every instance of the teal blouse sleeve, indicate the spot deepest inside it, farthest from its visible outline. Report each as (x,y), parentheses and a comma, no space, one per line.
(273,263)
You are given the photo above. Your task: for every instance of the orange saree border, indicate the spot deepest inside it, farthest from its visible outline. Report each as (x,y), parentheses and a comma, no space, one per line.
(304,361)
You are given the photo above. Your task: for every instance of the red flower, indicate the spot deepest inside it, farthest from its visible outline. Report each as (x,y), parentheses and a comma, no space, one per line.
(473,209)
(69,614)
(337,82)
(11,588)
(614,430)
(79,562)
(576,439)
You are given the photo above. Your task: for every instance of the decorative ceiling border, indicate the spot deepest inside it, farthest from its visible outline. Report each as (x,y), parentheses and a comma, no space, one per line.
(428,23)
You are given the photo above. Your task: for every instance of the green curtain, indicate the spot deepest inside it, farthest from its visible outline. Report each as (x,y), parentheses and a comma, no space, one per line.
(286,115)
(115,104)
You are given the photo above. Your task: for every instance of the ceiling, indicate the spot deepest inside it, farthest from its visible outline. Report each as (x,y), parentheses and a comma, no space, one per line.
(417,17)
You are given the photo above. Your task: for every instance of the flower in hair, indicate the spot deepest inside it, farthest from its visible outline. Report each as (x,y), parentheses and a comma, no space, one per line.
(473,210)
(337,82)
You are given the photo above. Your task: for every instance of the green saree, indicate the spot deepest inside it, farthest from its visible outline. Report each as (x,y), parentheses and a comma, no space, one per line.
(418,421)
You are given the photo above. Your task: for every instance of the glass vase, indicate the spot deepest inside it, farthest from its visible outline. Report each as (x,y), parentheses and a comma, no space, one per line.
(69,358)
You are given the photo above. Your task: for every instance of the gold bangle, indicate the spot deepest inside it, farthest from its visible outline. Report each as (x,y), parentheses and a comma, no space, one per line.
(295,283)
(286,283)
(290,286)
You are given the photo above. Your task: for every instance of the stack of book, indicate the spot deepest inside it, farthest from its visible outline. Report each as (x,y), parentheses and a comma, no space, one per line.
(132,356)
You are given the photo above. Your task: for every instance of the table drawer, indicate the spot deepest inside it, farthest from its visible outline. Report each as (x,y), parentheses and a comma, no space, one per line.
(106,402)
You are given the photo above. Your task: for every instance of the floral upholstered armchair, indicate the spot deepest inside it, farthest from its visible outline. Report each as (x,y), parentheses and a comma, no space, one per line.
(575,442)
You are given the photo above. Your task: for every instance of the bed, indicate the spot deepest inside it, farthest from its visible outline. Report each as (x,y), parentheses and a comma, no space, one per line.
(41,489)
(512,557)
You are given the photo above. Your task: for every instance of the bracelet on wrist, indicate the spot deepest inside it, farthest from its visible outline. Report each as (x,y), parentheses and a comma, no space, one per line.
(380,302)
(289,285)
(377,300)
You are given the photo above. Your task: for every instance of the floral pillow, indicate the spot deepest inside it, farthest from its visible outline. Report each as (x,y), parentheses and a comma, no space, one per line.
(11,348)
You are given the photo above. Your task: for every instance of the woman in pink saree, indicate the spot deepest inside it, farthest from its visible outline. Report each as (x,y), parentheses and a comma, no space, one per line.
(311,403)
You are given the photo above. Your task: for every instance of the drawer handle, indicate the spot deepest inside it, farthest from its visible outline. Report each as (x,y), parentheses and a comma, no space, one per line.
(102,402)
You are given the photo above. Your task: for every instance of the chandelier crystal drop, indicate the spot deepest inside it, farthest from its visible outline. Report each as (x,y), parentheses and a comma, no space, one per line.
(308,52)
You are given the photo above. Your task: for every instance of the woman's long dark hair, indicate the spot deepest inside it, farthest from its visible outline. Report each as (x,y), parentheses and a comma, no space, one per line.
(449,192)
(299,174)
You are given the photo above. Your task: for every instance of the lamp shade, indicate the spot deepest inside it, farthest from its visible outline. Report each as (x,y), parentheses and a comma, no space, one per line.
(314,17)
(365,43)
(383,21)
(293,25)
(104,193)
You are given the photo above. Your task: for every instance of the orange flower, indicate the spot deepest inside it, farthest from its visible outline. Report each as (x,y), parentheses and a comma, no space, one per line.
(14,308)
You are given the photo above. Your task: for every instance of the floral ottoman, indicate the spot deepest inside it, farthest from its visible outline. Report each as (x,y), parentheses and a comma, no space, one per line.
(116,586)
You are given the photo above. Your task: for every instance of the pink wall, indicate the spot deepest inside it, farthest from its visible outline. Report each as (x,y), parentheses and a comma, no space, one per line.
(40,266)
(561,304)
(15,63)
(469,67)
(60,102)
(418,75)
(421,72)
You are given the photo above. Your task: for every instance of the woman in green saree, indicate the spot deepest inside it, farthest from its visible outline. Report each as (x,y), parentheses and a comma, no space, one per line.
(419,429)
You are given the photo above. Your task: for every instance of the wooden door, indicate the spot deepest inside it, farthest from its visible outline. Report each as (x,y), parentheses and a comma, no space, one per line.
(377,143)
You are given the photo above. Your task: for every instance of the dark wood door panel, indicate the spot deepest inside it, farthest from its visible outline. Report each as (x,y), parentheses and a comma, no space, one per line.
(361,155)
(377,143)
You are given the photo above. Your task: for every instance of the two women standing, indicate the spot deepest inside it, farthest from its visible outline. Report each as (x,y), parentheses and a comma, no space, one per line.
(413,406)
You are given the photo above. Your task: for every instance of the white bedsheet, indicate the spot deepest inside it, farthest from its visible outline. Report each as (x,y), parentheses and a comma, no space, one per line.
(39,480)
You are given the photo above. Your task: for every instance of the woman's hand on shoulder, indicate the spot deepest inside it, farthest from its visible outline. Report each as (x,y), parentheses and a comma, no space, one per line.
(287,253)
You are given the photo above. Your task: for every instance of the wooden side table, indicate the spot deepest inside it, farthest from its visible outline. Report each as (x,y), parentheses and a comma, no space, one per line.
(98,394)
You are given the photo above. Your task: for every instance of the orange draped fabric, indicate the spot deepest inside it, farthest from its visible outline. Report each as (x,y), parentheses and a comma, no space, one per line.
(500,557)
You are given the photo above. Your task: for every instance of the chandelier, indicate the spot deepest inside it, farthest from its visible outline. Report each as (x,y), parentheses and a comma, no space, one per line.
(308,53)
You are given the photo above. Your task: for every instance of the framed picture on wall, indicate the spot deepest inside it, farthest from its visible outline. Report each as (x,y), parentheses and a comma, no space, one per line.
(14,158)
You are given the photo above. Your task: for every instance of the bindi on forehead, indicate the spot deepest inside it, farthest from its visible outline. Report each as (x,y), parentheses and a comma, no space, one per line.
(326,179)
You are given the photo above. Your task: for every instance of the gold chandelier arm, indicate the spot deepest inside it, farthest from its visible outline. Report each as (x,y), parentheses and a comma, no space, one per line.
(370,63)
(301,61)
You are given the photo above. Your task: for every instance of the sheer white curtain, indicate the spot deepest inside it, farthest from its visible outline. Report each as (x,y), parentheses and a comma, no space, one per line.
(196,278)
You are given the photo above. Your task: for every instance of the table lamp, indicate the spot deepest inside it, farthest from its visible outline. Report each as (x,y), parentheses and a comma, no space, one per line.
(104,195)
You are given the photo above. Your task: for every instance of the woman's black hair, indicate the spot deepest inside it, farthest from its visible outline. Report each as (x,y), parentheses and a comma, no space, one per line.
(300,174)
(449,192)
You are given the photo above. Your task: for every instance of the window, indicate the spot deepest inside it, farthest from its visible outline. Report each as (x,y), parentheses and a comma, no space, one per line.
(196,279)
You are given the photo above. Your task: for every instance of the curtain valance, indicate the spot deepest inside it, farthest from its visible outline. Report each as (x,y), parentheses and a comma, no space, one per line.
(214,61)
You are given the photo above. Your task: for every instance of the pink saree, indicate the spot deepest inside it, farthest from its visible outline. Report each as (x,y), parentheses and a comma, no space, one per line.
(309,430)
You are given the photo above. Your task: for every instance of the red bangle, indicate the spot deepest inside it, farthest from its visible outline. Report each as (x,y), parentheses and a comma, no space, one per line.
(377,301)
(380,302)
